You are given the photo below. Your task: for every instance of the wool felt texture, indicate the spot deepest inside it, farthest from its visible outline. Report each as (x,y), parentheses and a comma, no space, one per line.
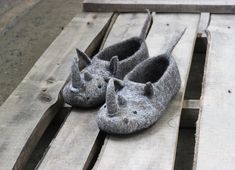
(144,95)
(87,87)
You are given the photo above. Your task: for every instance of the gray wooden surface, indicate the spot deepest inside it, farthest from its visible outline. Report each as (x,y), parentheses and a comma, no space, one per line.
(215,139)
(27,112)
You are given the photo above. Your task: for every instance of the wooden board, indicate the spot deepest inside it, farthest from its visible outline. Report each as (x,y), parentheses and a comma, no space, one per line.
(215,147)
(27,112)
(155,147)
(203,24)
(211,6)
(75,144)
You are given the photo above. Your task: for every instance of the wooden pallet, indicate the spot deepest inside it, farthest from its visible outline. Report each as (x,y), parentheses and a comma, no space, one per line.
(26,114)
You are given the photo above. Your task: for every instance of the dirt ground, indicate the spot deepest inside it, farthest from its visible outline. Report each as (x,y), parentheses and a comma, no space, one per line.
(28,38)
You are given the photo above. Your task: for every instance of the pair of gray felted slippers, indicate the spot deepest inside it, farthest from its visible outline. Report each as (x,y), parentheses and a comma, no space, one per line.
(134,88)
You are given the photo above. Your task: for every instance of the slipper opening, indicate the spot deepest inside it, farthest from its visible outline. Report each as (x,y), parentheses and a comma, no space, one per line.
(122,50)
(150,71)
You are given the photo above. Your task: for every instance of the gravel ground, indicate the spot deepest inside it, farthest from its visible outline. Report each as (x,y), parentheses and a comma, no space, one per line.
(28,38)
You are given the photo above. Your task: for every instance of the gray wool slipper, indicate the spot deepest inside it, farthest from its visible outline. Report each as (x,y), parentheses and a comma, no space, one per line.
(145,94)
(87,87)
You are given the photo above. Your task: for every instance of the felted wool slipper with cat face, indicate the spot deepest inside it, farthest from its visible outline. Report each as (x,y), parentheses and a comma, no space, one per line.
(87,87)
(145,95)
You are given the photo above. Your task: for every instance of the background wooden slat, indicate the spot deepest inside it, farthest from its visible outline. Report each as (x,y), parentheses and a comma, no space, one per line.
(155,147)
(191,104)
(203,24)
(215,140)
(211,6)
(73,147)
(27,112)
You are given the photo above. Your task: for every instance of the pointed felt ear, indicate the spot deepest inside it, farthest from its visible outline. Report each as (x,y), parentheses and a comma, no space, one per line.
(87,76)
(148,89)
(83,57)
(114,64)
(121,100)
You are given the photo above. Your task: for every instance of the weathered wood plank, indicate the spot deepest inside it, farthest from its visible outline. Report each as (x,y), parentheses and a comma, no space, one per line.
(203,24)
(211,6)
(155,147)
(215,140)
(73,147)
(27,112)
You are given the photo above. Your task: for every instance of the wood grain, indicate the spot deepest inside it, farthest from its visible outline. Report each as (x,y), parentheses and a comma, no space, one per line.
(73,148)
(215,140)
(155,147)
(183,6)
(27,112)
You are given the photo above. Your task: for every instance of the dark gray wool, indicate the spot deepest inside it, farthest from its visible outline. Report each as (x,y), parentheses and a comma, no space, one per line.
(145,94)
(87,87)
